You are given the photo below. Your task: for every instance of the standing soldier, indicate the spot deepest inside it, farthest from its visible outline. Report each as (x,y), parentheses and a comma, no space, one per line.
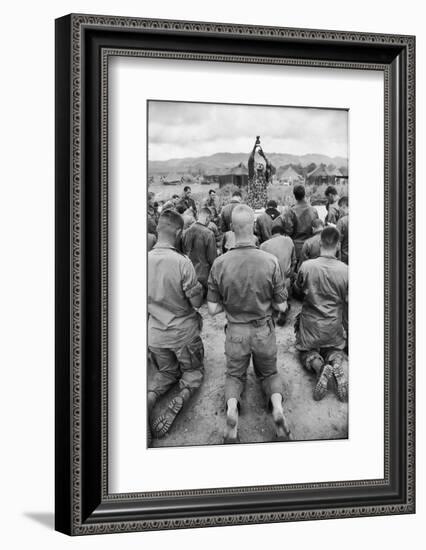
(225,215)
(187,201)
(320,334)
(213,205)
(199,244)
(297,221)
(265,220)
(174,325)
(343,227)
(333,213)
(258,177)
(247,284)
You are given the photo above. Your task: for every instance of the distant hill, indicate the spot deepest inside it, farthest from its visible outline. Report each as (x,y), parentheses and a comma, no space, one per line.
(219,162)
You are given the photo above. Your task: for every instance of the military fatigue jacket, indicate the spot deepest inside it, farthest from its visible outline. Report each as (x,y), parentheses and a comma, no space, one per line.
(343,227)
(172,281)
(324,284)
(246,281)
(199,244)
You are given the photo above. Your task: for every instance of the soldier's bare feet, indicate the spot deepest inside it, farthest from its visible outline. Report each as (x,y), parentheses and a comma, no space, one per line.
(231,427)
(282,430)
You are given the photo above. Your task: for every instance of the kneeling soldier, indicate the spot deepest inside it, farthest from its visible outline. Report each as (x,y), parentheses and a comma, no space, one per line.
(320,334)
(174,326)
(246,283)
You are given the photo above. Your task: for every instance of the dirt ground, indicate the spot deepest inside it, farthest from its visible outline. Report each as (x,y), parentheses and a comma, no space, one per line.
(202,421)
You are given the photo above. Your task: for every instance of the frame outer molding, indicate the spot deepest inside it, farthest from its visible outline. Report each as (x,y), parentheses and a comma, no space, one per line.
(77,525)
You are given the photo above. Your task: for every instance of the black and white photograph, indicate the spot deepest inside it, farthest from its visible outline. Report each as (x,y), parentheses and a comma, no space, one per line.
(215,366)
(248,273)
(196,352)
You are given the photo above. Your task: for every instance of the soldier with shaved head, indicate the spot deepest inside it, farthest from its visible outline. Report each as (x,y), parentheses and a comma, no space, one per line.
(246,284)
(174,325)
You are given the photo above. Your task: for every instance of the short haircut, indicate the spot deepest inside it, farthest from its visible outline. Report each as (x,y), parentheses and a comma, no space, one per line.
(175,197)
(330,236)
(278,229)
(186,188)
(206,211)
(271,204)
(343,201)
(170,219)
(331,190)
(299,192)
(242,218)
(180,208)
(237,194)
(212,191)
(317,223)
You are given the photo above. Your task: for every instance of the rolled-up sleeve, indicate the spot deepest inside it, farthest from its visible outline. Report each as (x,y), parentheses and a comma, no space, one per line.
(190,284)
(299,283)
(213,294)
(279,291)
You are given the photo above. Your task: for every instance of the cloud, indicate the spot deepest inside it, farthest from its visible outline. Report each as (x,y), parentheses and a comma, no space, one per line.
(179,129)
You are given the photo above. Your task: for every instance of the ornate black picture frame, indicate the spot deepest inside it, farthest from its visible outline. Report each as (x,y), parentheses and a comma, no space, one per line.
(84,44)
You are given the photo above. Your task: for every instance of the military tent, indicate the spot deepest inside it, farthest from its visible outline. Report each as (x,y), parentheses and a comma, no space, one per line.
(238,175)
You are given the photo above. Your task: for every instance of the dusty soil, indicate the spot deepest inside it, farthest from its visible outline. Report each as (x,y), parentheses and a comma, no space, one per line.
(202,420)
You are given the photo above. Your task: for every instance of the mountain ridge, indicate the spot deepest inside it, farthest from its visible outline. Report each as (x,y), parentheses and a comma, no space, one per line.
(221,161)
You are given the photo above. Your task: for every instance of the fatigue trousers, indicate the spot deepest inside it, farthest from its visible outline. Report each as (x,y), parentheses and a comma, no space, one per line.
(252,340)
(183,364)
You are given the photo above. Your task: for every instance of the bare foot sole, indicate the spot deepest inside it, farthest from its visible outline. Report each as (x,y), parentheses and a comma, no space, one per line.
(163,423)
(231,428)
(282,430)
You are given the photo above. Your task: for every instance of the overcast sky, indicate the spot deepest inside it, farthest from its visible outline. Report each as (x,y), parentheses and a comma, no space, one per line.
(178,130)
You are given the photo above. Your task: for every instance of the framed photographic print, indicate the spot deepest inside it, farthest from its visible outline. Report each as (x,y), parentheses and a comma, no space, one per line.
(227,351)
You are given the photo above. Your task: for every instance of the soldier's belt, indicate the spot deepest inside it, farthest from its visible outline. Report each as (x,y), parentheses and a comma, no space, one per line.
(255,323)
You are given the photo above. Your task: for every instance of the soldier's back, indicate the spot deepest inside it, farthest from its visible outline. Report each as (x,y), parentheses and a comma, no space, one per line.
(304,215)
(246,278)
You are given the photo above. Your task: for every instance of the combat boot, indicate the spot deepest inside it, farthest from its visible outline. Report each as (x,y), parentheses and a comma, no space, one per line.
(321,386)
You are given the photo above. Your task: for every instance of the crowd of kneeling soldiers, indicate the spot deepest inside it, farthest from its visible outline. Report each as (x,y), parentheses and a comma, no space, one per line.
(248,269)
